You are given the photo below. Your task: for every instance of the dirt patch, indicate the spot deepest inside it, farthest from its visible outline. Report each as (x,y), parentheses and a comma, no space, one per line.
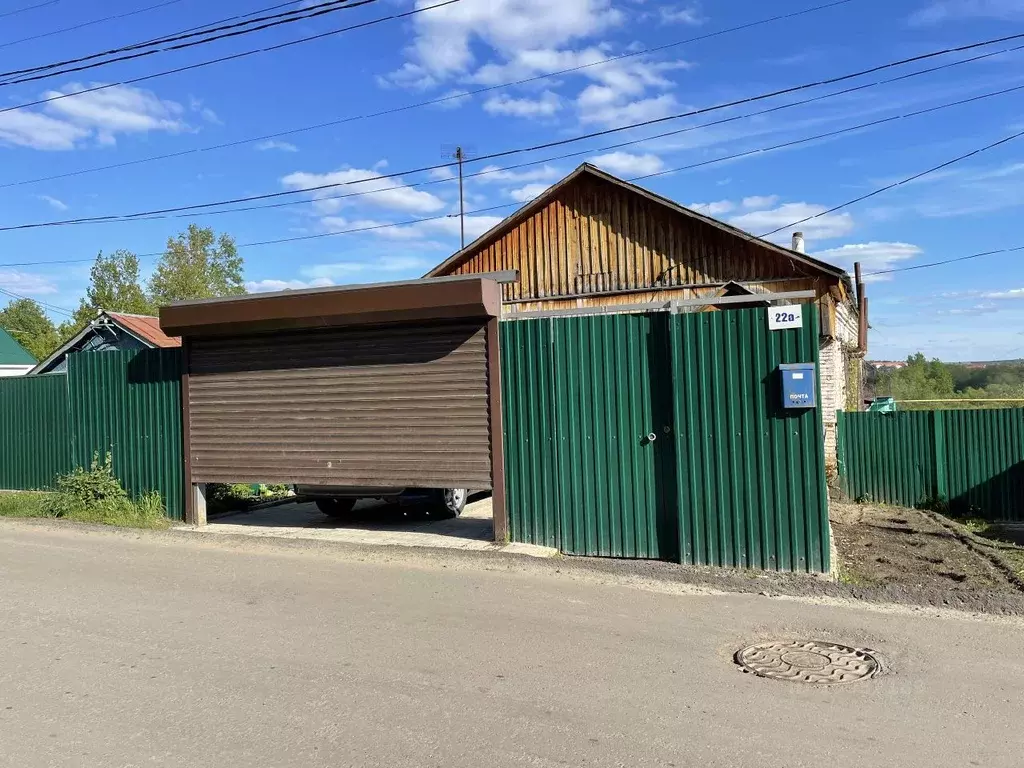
(915,558)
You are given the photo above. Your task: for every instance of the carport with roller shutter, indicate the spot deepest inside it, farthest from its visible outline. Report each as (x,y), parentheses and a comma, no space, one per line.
(391,385)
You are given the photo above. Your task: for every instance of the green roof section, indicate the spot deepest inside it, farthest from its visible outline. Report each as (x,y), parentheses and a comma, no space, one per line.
(12,353)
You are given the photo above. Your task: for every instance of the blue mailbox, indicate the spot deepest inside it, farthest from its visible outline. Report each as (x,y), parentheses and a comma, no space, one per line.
(798,390)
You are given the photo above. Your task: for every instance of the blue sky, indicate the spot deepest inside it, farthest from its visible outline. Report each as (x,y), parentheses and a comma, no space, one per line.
(970,310)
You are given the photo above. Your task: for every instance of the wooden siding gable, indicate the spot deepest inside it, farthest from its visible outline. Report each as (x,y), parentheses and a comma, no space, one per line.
(594,235)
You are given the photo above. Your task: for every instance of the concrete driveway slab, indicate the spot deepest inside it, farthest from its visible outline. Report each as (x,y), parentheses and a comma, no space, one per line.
(373,522)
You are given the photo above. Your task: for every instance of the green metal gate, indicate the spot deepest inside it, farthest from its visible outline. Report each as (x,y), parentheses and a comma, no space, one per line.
(663,437)
(582,399)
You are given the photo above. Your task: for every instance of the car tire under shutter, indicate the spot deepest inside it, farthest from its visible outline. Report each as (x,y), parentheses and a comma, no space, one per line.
(379,406)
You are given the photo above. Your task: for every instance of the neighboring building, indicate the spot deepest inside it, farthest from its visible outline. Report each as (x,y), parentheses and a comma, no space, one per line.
(887,365)
(110,331)
(15,360)
(595,240)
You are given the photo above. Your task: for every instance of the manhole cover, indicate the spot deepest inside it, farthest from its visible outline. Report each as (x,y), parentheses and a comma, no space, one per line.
(810,661)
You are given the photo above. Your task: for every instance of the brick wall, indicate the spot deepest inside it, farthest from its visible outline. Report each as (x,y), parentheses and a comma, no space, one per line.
(837,365)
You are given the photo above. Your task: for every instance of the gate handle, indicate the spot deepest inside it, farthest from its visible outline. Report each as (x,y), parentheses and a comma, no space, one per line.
(652,437)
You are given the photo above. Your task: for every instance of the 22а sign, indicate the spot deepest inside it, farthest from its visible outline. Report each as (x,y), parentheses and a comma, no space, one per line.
(785,318)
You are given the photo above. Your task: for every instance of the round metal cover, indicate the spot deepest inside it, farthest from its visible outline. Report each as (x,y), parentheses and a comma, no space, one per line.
(808,661)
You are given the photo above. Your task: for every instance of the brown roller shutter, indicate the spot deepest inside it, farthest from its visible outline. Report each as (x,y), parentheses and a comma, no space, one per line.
(386,406)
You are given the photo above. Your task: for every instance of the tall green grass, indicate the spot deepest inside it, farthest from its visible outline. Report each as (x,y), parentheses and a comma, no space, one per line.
(93,495)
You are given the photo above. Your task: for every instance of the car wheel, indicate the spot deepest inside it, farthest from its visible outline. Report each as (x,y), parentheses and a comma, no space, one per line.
(336,507)
(451,501)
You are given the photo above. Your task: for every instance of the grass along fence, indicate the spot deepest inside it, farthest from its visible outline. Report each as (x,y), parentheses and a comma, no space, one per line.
(969,460)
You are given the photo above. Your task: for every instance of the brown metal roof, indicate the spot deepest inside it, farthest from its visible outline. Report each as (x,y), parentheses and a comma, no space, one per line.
(146,328)
(537,203)
(476,296)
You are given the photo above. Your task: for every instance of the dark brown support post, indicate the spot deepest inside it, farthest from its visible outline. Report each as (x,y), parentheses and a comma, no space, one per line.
(497,432)
(862,311)
(864,324)
(186,448)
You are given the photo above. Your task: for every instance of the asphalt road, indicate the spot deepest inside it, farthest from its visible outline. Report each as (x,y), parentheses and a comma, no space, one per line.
(164,650)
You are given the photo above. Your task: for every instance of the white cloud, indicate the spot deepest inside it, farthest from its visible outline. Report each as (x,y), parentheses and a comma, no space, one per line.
(529,192)
(545,106)
(446,227)
(524,38)
(325,275)
(757,202)
(475,226)
(120,109)
(342,269)
(629,164)
(873,256)
(442,174)
(713,209)
(28,283)
(952,10)
(391,194)
(984,308)
(38,131)
(493,173)
(599,104)
(197,106)
(282,146)
(1013,293)
(418,232)
(822,228)
(446,37)
(266,286)
(53,202)
(681,14)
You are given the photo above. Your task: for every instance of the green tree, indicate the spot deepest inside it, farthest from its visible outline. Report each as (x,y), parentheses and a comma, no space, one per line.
(921,379)
(26,322)
(197,265)
(114,285)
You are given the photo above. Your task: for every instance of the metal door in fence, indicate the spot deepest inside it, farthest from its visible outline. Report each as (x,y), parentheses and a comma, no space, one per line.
(588,435)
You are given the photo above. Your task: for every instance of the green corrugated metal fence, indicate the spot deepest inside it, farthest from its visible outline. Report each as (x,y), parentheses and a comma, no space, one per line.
(35,443)
(750,474)
(129,403)
(662,436)
(973,460)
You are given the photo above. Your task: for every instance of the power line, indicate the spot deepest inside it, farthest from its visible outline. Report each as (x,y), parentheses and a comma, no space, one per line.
(241,55)
(51,307)
(16,11)
(606,148)
(945,261)
(491,156)
(431,102)
(899,183)
(85,24)
(873,193)
(666,172)
(209,36)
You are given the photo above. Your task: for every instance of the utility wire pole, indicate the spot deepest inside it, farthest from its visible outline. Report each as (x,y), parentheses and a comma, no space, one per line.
(459,157)
(460,154)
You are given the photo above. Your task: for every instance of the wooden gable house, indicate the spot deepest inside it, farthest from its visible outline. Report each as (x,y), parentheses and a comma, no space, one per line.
(595,240)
